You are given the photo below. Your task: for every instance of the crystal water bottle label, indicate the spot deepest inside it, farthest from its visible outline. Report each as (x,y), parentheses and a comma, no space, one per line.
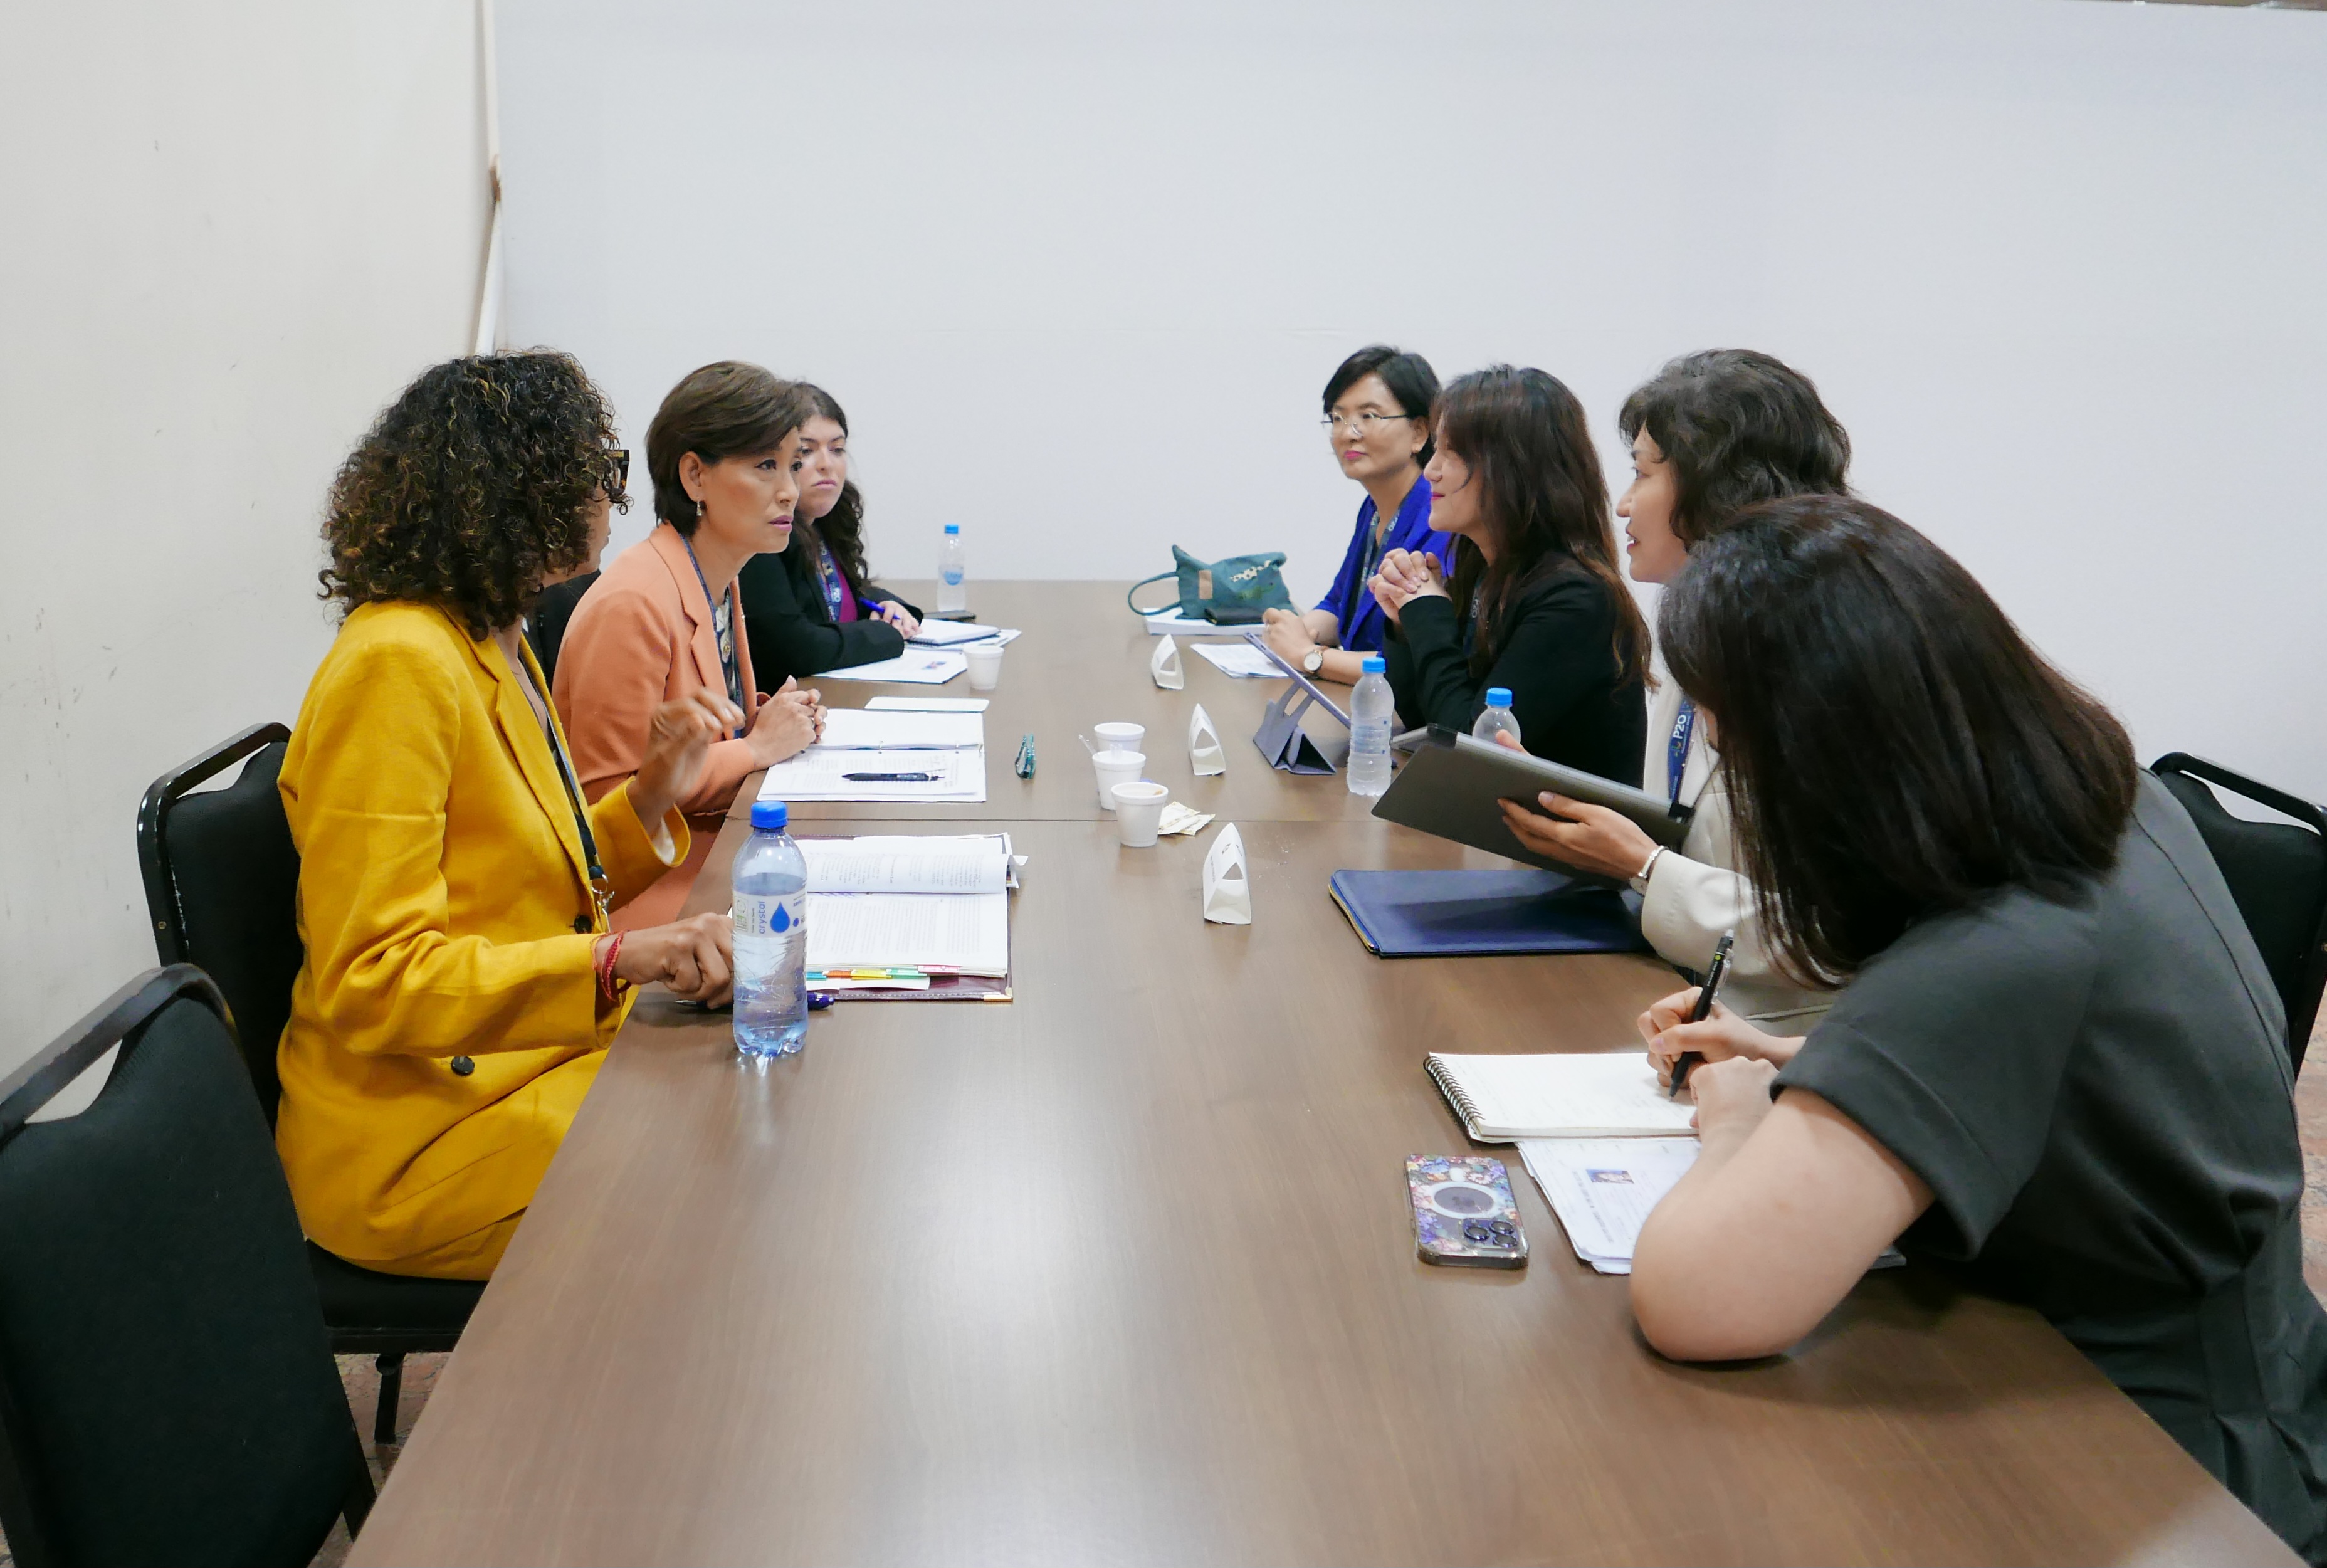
(953,576)
(767,921)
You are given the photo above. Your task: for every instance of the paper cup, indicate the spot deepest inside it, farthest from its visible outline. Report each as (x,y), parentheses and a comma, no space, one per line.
(984,665)
(1119,737)
(1139,812)
(1114,768)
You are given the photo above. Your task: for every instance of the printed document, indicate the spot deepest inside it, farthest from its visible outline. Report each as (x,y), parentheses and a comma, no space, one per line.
(901,865)
(868,729)
(817,774)
(1602,1189)
(914,666)
(1239,659)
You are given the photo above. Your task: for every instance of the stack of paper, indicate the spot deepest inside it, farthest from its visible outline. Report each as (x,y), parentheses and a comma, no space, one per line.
(886,754)
(1602,1189)
(1240,660)
(895,912)
(954,633)
(914,666)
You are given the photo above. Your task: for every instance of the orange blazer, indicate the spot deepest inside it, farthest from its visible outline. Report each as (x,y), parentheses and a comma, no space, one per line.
(642,635)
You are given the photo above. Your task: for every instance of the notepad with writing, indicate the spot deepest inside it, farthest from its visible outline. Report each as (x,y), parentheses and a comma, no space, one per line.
(1591,1095)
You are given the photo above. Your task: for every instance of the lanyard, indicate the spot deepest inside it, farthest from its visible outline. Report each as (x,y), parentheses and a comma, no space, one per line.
(1676,748)
(726,655)
(1369,559)
(602,886)
(828,574)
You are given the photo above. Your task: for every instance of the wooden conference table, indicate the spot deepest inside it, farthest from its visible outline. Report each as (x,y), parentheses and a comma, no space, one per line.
(1123,1270)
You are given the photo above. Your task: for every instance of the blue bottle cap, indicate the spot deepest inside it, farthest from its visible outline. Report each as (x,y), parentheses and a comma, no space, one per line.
(1498,697)
(1373,664)
(768,815)
(953,528)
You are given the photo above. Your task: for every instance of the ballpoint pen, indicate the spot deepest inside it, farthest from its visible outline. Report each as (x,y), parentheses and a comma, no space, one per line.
(889,777)
(1703,1010)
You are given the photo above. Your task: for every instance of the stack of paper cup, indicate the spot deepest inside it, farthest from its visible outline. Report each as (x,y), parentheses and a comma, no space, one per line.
(1139,812)
(1114,768)
(1118,736)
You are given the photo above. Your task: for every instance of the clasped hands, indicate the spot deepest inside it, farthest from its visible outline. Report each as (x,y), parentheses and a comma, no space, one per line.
(1405,576)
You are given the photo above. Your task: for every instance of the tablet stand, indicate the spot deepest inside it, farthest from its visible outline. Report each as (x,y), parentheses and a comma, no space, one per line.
(1280,739)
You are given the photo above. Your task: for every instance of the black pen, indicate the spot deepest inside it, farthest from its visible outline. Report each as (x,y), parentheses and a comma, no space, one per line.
(1704,1010)
(890,778)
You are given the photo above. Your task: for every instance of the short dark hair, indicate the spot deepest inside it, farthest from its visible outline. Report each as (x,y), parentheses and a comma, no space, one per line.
(840,530)
(1893,746)
(473,487)
(1525,439)
(730,409)
(1409,376)
(1738,427)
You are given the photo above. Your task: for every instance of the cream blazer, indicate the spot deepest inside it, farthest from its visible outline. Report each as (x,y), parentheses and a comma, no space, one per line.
(1693,895)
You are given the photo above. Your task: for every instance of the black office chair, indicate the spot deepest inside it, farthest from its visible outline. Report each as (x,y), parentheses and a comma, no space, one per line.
(167,1393)
(2277,874)
(222,887)
(546,627)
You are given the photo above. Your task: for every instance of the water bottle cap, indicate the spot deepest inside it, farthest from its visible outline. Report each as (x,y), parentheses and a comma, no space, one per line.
(1373,664)
(769,816)
(1498,697)
(953,528)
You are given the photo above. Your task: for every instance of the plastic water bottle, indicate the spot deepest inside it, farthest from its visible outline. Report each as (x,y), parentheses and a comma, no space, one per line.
(770,881)
(1497,719)
(953,593)
(1372,718)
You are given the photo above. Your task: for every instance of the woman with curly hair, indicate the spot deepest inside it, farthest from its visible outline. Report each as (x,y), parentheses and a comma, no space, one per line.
(460,983)
(815,606)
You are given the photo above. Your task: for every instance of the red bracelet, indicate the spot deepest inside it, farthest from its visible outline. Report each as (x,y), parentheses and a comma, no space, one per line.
(608,986)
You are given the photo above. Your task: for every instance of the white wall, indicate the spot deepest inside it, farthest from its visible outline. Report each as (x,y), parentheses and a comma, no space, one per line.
(232,234)
(1080,272)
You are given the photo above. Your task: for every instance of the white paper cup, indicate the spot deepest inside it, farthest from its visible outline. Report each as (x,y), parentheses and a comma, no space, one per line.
(1139,812)
(1119,737)
(1114,768)
(984,665)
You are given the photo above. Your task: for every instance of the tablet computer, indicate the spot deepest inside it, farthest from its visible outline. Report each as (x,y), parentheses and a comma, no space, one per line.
(1303,681)
(1452,784)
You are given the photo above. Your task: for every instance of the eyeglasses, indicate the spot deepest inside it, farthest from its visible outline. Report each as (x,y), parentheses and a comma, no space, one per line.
(622,458)
(1364,423)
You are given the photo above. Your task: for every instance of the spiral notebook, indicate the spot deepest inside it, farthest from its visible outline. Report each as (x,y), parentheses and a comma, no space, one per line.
(1614,1094)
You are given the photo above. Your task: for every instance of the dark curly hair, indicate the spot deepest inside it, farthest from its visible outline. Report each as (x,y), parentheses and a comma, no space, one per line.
(473,487)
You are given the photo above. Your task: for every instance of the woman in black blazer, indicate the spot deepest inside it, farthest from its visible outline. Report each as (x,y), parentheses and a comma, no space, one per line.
(1535,603)
(814,607)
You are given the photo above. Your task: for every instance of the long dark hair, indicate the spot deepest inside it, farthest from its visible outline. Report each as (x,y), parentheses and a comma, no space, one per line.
(1738,427)
(723,410)
(1894,747)
(840,530)
(477,482)
(1522,433)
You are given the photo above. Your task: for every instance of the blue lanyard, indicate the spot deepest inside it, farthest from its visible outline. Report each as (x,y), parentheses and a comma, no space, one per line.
(1676,748)
(1369,554)
(827,575)
(735,676)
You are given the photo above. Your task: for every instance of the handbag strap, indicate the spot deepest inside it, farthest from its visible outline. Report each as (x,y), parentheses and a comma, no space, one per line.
(1144,582)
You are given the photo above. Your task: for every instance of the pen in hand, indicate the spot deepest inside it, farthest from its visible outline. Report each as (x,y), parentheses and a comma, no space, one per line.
(1702,1010)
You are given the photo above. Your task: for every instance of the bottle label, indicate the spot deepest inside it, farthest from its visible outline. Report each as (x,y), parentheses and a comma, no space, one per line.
(766,924)
(953,576)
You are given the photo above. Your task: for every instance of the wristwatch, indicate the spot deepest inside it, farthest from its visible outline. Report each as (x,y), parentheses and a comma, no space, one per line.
(1312,661)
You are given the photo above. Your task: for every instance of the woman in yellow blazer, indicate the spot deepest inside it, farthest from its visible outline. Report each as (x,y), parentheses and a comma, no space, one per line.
(460,986)
(666,619)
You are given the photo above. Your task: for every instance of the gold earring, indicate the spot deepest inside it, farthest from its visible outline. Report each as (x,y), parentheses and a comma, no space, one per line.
(698,511)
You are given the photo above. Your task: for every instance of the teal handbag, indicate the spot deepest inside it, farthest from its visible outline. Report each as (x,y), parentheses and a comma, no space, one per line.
(1239,587)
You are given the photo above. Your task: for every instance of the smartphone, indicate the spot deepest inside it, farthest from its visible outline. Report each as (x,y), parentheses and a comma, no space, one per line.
(1463,1211)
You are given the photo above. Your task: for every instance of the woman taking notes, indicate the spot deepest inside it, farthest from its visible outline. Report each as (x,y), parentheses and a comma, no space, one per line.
(813,607)
(1377,419)
(664,619)
(1535,604)
(1710,434)
(2060,1068)
(460,985)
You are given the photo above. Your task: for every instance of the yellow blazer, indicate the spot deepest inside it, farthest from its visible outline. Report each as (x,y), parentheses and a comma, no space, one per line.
(445,909)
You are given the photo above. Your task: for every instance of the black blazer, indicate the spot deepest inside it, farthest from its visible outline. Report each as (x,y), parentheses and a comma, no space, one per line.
(790,626)
(1559,659)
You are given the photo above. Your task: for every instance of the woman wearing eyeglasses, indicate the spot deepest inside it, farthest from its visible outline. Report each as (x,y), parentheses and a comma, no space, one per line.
(1377,419)
(461,983)
(665,619)
(1534,601)
(815,606)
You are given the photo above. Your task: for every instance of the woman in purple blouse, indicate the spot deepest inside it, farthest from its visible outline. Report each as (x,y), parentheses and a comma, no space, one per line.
(1377,417)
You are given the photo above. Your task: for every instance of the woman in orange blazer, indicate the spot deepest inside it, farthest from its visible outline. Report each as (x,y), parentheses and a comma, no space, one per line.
(665,619)
(460,983)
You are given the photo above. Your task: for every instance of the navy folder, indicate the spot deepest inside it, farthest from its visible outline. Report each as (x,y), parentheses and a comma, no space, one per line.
(1417,914)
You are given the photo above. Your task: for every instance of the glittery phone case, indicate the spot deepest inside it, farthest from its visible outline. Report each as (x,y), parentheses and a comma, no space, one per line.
(1464,1212)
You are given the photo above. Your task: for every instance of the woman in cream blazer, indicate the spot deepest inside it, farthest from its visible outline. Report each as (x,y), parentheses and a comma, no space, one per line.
(460,986)
(666,619)
(1710,433)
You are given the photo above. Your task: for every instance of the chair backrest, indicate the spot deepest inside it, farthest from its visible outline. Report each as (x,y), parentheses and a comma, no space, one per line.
(167,1390)
(222,888)
(2277,873)
(546,627)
